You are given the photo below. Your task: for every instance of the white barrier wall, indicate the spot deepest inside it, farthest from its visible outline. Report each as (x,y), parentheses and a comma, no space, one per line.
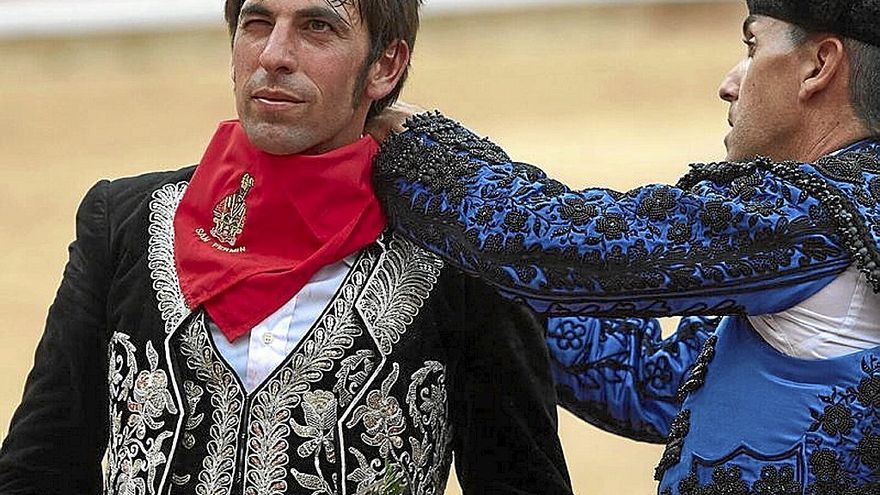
(25,18)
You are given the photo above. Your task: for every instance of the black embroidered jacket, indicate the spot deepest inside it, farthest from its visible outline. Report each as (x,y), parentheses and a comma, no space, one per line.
(409,363)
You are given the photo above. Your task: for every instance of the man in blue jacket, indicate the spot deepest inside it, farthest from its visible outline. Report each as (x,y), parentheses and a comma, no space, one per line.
(782,239)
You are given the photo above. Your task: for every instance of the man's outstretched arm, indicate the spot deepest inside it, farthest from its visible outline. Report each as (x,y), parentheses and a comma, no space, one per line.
(719,243)
(620,375)
(59,432)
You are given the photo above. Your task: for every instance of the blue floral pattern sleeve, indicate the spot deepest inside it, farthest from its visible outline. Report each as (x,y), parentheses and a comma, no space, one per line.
(730,238)
(620,375)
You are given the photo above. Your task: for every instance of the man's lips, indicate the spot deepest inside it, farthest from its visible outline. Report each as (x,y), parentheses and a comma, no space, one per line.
(275,98)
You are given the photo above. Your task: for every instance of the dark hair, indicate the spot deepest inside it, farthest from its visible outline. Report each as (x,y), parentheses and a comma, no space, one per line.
(387,21)
(864,81)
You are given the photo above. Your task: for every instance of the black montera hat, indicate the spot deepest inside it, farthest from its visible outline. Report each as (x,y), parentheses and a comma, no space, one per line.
(857,19)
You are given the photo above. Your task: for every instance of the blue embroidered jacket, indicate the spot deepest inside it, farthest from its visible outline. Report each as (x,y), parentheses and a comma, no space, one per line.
(729,239)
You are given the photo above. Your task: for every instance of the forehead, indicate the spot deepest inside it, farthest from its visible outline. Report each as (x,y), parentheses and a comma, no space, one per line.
(347,10)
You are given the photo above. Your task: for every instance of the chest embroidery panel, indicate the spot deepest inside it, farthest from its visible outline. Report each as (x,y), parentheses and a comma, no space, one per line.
(382,296)
(355,413)
(335,404)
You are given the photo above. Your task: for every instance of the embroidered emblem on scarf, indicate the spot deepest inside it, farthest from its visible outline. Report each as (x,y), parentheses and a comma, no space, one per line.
(229,215)
(253,228)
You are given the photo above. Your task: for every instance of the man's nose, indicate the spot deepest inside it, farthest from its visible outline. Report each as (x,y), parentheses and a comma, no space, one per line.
(729,89)
(279,53)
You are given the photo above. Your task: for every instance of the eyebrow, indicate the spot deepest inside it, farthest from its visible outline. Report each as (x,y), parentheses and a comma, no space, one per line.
(747,25)
(255,9)
(325,14)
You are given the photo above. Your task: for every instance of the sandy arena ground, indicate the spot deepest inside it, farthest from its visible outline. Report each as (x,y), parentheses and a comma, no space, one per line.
(612,96)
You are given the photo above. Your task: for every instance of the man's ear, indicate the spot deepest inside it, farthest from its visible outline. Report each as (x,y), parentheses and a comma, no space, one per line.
(825,64)
(386,72)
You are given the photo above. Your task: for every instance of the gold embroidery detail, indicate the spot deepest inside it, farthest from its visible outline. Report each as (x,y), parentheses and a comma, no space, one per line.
(230,214)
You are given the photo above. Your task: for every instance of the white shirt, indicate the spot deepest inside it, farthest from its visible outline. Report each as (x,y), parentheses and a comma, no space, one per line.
(254,357)
(842,318)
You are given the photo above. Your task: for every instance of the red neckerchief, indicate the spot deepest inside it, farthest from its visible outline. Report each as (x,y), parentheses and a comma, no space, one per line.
(253,228)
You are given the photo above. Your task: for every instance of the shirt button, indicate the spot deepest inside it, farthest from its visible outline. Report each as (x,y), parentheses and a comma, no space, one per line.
(268,338)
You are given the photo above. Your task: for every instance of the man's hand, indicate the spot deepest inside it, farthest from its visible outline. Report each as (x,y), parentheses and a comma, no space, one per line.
(391,120)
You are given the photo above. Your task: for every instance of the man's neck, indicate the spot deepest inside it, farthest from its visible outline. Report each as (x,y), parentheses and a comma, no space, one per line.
(829,134)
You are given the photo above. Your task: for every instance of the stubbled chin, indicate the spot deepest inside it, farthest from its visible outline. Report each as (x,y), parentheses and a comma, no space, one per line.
(276,138)
(736,156)
(729,156)
(735,153)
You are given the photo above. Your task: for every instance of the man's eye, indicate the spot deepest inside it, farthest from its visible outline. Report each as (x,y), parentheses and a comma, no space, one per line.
(255,23)
(319,26)
(750,45)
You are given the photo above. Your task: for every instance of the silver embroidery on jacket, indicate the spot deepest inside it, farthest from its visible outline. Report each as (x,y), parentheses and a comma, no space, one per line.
(389,301)
(320,410)
(135,470)
(423,466)
(389,304)
(382,417)
(226,397)
(271,413)
(427,399)
(193,394)
(172,304)
(398,289)
(354,371)
(134,452)
(403,277)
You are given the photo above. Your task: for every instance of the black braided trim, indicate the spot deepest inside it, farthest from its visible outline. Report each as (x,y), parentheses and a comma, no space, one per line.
(849,224)
(851,227)
(679,429)
(717,172)
(453,135)
(697,377)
